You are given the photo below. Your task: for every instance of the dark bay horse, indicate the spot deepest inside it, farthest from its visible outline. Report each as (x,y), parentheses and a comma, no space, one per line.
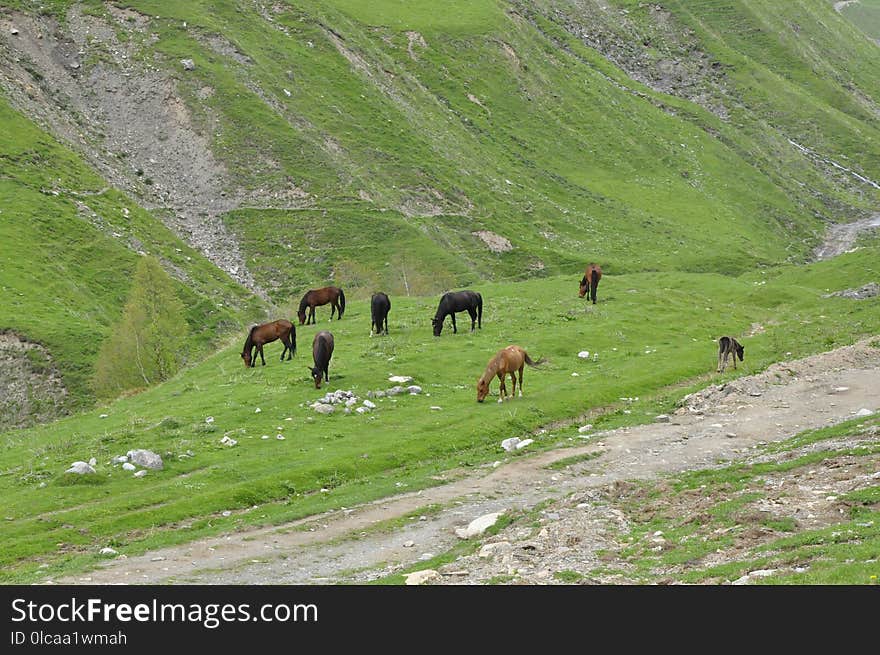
(510,360)
(380,305)
(590,281)
(317,297)
(322,351)
(729,347)
(266,333)
(458,301)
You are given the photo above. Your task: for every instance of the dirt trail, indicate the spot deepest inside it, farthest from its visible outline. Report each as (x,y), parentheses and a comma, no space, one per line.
(721,422)
(841,238)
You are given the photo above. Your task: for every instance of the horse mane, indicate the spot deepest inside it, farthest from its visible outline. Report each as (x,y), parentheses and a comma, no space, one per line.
(304,302)
(250,338)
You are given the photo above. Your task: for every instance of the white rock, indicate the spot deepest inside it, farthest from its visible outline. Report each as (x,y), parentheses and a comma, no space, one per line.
(661,418)
(140,473)
(128,467)
(188,64)
(107,551)
(400,379)
(575,375)
(228,442)
(93,461)
(120,459)
(525,442)
(478,526)
(510,444)
(266,436)
(864,412)
(421,577)
(585,428)
(584,354)
(369,404)
(80,468)
(841,389)
(280,437)
(103,416)
(226,513)
(257,410)
(414,389)
(322,408)
(436,408)
(209,419)
(409,544)
(362,410)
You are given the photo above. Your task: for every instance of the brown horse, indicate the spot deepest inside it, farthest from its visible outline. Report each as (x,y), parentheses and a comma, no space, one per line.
(267,333)
(590,281)
(317,297)
(507,360)
(322,351)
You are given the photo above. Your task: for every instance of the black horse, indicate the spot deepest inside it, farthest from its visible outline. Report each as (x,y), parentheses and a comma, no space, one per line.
(458,301)
(322,351)
(380,305)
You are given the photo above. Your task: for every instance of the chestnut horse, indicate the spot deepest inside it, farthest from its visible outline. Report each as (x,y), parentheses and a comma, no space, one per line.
(322,351)
(316,297)
(590,281)
(510,360)
(267,333)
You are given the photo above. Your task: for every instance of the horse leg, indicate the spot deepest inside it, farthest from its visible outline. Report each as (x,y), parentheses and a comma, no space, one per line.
(454,328)
(261,354)
(253,356)
(473,313)
(520,379)
(513,382)
(332,310)
(502,389)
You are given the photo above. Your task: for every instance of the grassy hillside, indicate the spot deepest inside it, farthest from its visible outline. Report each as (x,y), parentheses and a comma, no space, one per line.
(398,133)
(864,14)
(402,443)
(68,247)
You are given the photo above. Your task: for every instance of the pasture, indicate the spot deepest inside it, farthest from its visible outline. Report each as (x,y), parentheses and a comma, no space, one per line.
(654,332)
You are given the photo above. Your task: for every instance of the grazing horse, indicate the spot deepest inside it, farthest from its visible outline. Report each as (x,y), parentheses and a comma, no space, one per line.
(458,301)
(729,347)
(266,333)
(590,281)
(507,360)
(316,297)
(322,351)
(380,305)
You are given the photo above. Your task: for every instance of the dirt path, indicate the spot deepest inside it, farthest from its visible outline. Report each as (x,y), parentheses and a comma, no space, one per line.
(720,422)
(841,238)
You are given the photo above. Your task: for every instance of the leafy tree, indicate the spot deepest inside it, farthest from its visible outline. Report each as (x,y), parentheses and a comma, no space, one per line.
(146,345)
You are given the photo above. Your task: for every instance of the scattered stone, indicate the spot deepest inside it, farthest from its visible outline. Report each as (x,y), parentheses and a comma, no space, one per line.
(414,389)
(870,290)
(585,428)
(280,437)
(93,461)
(864,412)
(394,391)
(840,389)
(369,404)
(525,442)
(488,550)
(188,64)
(266,436)
(209,419)
(575,375)
(421,577)
(400,379)
(257,410)
(107,551)
(322,408)
(755,394)
(510,444)
(478,526)
(128,467)
(13,31)
(226,513)
(661,418)
(146,458)
(409,544)
(584,354)
(731,435)
(119,459)
(140,473)
(436,408)
(80,468)
(359,410)
(103,416)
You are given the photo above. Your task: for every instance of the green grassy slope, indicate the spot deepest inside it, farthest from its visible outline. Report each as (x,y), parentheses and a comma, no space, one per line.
(398,121)
(864,14)
(358,457)
(68,248)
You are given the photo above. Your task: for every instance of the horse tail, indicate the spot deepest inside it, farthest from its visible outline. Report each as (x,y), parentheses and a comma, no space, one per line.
(533,363)
(480,310)
(292,339)
(341,303)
